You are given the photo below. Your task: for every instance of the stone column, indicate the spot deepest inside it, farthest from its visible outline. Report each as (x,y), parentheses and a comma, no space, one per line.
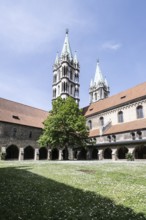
(131,150)
(36,154)
(21,153)
(114,154)
(49,156)
(60,154)
(70,154)
(100,154)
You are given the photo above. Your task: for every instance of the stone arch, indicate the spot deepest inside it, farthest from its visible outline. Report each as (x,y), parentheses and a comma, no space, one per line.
(28,153)
(43,152)
(55,154)
(140,152)
(12,153)
(107,154)
(82,154)
(121,152)
(65,154)
(94,154)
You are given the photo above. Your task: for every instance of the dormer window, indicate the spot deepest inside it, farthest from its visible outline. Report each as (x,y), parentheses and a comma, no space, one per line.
(16,117)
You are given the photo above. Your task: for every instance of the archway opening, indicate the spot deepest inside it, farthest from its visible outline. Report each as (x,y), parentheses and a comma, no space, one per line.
(55,154)
(65,154)
(82,155)
(12,153)
(107,153)
(95,154)
(122,151)
(43,153)
(28,153)
(140,152)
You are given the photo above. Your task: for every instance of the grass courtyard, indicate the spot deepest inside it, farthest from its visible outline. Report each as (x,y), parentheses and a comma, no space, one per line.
(72,190)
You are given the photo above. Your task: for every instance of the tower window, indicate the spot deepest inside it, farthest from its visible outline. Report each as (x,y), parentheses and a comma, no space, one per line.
(71,75)
(120,117)
(139,111)
(95,96)
(71,89)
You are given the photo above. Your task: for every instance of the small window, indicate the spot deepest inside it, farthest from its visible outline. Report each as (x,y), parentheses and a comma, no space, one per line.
(139,111)
(101,119)
(90,124)
(133,135)
(139,134)
(15,117)
(123,97)
(114,138)
(30,134)
(14,132)
(120,117)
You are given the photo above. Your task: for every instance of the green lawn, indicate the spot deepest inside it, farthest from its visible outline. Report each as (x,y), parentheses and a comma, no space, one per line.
(72,191)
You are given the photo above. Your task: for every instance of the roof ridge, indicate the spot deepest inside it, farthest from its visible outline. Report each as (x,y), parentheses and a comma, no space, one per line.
(23,104)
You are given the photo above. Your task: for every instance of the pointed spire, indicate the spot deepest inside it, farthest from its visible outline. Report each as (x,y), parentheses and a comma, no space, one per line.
(57,59)
(66,50)
(98,75)
(91,83)
(106,83)
(75,58)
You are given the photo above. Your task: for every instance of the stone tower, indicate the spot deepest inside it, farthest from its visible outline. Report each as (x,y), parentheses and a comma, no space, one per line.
(99,88)
(66,73)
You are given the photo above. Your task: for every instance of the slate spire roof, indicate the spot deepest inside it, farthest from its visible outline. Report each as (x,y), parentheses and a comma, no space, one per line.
(99,78)
(66,50)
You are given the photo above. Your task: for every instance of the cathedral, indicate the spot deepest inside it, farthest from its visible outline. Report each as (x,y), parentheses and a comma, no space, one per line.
(117,124)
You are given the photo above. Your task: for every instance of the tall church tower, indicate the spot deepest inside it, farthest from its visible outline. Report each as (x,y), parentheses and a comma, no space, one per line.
(99,88)
(66,73)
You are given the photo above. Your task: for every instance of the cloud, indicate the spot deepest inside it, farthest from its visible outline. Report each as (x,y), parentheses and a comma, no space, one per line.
(111,46)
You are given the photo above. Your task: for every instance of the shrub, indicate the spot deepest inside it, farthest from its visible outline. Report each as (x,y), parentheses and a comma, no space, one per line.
(2,156)
(129,156)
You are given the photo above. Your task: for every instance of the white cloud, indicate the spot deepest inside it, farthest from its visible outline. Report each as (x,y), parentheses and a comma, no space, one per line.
(111,46)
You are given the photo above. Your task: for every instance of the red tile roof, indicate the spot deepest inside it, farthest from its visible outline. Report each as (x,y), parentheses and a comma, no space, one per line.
(128,126)
(17,113)
(121,98)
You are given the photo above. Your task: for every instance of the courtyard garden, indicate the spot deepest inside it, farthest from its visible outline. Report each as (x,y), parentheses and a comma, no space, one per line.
(77,190)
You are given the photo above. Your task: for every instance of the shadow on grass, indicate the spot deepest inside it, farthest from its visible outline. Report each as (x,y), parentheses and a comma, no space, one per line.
(28,196)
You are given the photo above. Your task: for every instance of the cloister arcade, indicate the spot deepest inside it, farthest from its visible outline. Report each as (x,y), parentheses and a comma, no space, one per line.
(13,152)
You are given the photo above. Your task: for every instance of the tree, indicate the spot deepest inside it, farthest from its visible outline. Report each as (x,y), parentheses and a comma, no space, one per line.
(65,126)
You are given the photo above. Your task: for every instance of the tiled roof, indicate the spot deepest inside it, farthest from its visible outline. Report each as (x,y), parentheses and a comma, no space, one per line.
(122,127)
(93,133)
(17,113)
(116,100)
(128,126)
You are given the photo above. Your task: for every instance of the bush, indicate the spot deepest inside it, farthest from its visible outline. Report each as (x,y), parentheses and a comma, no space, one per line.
(2,156)
(129,156)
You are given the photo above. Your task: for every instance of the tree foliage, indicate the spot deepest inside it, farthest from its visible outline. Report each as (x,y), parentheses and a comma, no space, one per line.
(65,126)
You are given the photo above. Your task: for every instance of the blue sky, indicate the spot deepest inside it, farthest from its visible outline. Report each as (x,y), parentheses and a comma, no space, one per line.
(32,31)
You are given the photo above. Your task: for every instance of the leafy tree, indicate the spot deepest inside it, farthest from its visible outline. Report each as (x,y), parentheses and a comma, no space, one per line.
(65,125)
